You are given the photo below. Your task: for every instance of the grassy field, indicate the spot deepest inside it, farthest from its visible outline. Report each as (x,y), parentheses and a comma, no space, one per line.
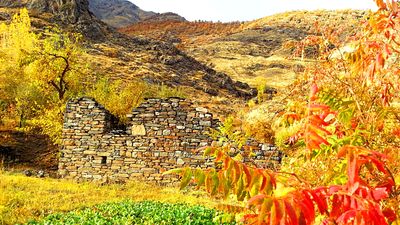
(24,198)
(145,213)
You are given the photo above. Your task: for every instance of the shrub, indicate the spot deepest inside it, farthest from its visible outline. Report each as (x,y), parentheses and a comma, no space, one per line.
(344,135)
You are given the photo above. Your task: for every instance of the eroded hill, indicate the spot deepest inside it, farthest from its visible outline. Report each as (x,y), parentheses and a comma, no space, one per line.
(251,52)
(120,13)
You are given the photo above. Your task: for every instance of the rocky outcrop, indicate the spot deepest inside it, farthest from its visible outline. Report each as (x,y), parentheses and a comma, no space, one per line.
(121,13)
(72,14)
(69,11)
(169,16)
(204,79)
(118,13)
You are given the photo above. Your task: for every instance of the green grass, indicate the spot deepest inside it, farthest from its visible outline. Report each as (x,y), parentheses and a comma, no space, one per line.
(25,198)
(129,212)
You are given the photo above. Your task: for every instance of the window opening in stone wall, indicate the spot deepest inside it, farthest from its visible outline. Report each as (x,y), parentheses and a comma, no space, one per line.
(103,160)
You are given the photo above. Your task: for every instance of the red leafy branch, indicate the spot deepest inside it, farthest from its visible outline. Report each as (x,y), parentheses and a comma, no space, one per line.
(316,122)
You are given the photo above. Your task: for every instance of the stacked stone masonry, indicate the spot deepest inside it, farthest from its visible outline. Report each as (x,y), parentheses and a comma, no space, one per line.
(161,134)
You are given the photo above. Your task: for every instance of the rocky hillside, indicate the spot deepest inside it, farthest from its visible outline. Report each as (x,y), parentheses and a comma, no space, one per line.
(256,53)
(118,13)
(183,33)
(122,57)
(121,13)
(70,14)
(251,52)
(168,16)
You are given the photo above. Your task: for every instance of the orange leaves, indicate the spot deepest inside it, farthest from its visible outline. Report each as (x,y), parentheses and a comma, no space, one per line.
(396,132)
(380,61)
(386,93)
(234,177)
(314,140)
(381,4)
(317,107)
(359,157)
(319,117)
(356,202)
(293,209)
(313,92)
(316,121)
(353,209)
(291,213)
(389,5)
(359,200)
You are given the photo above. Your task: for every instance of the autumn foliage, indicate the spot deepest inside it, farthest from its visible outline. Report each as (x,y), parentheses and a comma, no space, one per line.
(185,33)
(346,146)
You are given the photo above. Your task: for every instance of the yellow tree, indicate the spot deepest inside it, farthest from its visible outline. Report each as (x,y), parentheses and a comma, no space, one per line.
(38,72)
(58,64)
(16,43)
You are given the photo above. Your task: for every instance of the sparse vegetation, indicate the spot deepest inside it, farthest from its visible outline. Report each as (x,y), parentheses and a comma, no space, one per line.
(185,34)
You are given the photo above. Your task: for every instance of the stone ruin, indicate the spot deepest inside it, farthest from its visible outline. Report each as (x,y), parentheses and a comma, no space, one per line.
(160,135)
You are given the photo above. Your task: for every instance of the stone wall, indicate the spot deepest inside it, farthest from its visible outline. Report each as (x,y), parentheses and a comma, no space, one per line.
(161,134)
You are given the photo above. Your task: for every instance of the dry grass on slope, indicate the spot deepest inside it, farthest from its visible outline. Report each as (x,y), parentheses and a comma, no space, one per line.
(185,33)
(256,54)
(307,20)
(274,71)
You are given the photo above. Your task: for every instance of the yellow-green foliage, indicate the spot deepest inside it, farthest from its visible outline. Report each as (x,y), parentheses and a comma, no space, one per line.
(17,37)
(59,65)
(261,96)
(163,91)
(117,96)
(23,198)
(282,134)
(38,72)
(120,97)
(50,121)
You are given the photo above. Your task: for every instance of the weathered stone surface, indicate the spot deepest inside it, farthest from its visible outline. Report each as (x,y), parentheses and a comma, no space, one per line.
(201,109)
(138,130)
(161,134)
(180,161)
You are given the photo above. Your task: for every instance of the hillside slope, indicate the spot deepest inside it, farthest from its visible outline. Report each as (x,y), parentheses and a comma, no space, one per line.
(250,52)
(118,13)
(123,57)
(121,13)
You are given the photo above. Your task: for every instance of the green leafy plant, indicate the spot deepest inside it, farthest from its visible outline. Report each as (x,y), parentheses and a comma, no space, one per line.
(146,213)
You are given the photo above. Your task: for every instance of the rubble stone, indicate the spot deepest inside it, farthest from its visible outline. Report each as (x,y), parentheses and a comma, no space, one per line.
(156,139)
